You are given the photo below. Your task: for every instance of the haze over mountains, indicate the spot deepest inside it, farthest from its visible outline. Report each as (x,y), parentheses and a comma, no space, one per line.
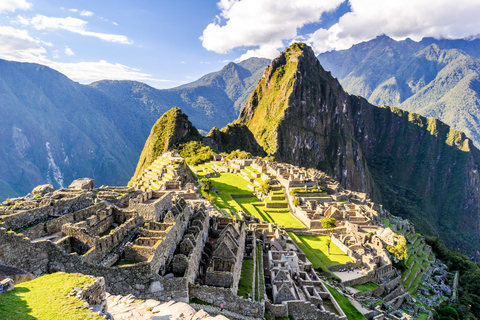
(55,130)
(435,78)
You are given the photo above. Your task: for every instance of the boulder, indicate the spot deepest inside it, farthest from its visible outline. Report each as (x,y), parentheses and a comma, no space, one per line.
(43,189)
(83,183)
(6,285)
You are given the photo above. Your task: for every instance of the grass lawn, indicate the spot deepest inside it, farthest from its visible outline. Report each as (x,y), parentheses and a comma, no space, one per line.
(365,287)
(246,279)
(46,298)
(348,308)
(260,281)
(279,216)
(318,251)
(422,316)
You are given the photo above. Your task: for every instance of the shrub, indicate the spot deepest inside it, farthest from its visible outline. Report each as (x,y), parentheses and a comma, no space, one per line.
(296,202)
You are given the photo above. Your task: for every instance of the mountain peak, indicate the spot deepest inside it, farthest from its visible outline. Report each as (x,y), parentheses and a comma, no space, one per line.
(171,128)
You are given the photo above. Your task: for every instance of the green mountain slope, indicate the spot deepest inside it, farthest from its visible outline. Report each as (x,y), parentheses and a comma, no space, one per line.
(418,168)
(172,127)
(435,78)
(55,130)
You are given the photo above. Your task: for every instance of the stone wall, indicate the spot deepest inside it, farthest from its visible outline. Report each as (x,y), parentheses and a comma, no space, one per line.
(43,257)
(94,294)
(37,215)
(151,204)
(299,309)
(229,300)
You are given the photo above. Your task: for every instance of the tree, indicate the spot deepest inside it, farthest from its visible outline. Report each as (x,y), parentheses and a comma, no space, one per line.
(206,184)
(328,223)
(296,202)
(329,241)
(210,198)
(399,250)
(266,187)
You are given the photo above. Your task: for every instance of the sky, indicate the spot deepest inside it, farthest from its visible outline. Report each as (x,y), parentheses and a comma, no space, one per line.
(169,43)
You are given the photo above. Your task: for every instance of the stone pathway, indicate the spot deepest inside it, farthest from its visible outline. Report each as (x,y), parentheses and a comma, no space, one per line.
(127,307)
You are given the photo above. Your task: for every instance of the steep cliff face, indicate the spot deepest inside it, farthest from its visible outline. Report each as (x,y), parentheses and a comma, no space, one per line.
(418,168)
(298,113)
(172,127)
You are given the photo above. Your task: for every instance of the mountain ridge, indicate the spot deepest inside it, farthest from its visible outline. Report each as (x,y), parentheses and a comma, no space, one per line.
(436,78)
(418,167)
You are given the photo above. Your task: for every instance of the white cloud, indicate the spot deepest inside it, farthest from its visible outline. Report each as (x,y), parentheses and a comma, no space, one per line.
(86,13)
(400,19)
(41,22)
(73,10)
(69,51)
(12,5)
(262,27)
(18,45)
(262,24)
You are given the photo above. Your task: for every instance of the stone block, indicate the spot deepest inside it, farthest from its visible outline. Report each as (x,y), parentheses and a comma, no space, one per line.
(83,183)
(43,189)
(6,285)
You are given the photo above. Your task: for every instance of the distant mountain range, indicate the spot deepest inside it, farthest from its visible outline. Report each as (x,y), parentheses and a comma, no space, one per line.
(435,78)
(55,130)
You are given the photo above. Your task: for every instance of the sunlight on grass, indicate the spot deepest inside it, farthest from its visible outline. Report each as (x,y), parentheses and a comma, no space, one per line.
(46,298)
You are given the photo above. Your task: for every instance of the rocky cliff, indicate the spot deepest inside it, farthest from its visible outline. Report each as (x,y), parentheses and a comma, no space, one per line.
(418,168)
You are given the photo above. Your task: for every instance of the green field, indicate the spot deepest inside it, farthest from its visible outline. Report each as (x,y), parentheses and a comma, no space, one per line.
(230,183)
(365,286)
(46,298)
(348,308)
(246,280)
(317,252)
(281,217)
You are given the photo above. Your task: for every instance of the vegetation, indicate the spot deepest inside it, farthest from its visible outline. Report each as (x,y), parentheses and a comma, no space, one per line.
(296,202)
(347,307)
(328,223)
(206,184)
(399,250)
(46,298)
(195,152)
(365,286)
(468,302)
(316,250)
(246,280)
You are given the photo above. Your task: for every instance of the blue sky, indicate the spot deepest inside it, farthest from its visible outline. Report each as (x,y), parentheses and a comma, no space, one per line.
(169,43)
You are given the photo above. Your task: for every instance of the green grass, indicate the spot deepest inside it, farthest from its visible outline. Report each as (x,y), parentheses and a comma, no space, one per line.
(260,281)
(317,250)
(348,308)
(365,287)
(422,316)
(246,279)
(278,216)
(46,298)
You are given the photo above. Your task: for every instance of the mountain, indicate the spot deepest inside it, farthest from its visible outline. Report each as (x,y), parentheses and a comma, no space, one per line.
(171,128)
(435,78)
(418,168)
(55,130)
(213,100)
